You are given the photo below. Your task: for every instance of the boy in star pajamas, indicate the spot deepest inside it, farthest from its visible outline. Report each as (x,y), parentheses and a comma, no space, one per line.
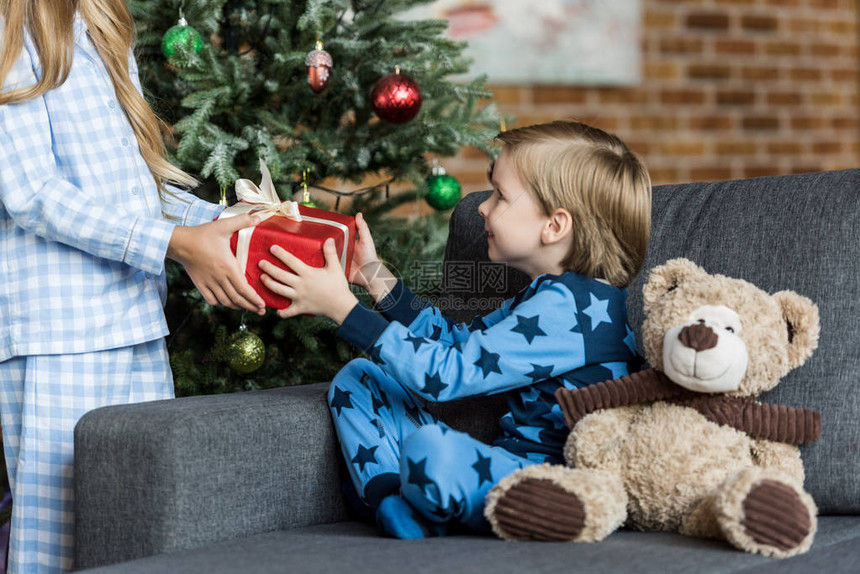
(571,208)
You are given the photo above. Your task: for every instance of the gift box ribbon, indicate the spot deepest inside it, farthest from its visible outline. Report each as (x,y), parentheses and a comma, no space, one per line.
(264,201)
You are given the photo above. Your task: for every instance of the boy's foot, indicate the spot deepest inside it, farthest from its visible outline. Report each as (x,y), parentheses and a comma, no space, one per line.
(398,519)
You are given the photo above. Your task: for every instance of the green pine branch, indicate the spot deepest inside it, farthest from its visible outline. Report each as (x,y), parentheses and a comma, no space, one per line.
(246,96)
(250,82)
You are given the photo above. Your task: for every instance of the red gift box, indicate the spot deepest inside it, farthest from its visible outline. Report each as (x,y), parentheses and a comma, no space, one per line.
(299,229)
(304,239)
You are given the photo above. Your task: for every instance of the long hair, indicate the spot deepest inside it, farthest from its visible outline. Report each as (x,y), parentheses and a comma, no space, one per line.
(111,28)
(605,187)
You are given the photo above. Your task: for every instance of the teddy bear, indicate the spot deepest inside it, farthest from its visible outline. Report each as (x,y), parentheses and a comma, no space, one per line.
(684,446)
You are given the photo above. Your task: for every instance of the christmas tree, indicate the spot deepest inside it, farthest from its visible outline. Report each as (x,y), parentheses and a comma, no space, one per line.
(323,91)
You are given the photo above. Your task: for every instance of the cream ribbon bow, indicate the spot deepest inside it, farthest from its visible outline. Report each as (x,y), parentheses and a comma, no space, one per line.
(263,201)
(264,198)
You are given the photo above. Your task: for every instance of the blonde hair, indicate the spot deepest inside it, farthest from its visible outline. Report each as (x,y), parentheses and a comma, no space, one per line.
(111,28)
(605,187)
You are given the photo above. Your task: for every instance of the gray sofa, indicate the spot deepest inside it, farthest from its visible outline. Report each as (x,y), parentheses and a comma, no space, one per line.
(251,482)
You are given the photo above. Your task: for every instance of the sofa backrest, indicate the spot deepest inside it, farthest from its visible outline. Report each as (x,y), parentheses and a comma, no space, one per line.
(798,232)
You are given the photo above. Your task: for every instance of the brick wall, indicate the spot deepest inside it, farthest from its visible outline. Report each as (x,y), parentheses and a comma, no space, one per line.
(731,89)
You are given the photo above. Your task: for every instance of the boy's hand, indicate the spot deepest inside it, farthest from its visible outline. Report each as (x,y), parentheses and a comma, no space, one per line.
(204,252)
(313,290)
(367,270)
(364,257)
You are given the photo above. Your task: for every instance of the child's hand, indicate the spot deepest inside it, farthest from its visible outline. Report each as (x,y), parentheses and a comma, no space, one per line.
(367,270)
(204,252)
(364,257)
(313,290)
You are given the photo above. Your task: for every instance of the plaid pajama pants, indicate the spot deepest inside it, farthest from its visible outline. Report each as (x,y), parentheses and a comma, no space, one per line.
(41,399)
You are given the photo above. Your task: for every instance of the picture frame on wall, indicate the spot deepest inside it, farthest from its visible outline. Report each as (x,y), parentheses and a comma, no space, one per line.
(591,42)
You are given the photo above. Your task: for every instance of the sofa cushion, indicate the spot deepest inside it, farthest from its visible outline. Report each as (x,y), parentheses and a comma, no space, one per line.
(798,232)
(357,548)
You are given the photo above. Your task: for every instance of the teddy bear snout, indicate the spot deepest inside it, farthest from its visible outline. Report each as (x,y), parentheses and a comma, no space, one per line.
(706,354)
(698,337)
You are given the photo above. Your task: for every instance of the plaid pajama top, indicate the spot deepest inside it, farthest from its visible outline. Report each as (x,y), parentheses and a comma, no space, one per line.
(82,234)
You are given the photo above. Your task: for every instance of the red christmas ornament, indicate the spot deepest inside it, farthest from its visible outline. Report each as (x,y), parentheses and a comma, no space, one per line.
(319,65)
(396,98)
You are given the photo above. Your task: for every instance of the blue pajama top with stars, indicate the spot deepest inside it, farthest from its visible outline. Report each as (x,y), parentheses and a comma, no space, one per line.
(562,330)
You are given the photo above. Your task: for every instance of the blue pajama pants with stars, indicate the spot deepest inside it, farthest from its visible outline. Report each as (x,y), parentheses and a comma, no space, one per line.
(392,445)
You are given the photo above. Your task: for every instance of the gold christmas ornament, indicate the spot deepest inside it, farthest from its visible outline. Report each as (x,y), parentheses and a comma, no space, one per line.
(246,352)
(306,195)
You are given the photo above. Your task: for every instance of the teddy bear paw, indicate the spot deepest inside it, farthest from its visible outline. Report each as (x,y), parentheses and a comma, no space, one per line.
(775,516)
(555,503)
(765,511)
(539,509)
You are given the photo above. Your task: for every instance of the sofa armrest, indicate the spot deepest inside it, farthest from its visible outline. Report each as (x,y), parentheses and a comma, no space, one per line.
(169,475)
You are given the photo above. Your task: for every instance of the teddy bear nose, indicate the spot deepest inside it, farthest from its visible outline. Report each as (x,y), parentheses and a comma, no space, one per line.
(698,336)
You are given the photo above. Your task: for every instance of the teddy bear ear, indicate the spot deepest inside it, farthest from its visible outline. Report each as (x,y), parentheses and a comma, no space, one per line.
(801,319)
(667,277)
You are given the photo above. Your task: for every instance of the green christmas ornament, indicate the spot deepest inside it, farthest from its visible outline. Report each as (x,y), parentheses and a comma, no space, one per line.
(443,190)
(180,37)
(246,352)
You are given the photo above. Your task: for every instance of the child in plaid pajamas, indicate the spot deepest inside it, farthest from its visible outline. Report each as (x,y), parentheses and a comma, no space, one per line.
(86,220)
(571,208)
